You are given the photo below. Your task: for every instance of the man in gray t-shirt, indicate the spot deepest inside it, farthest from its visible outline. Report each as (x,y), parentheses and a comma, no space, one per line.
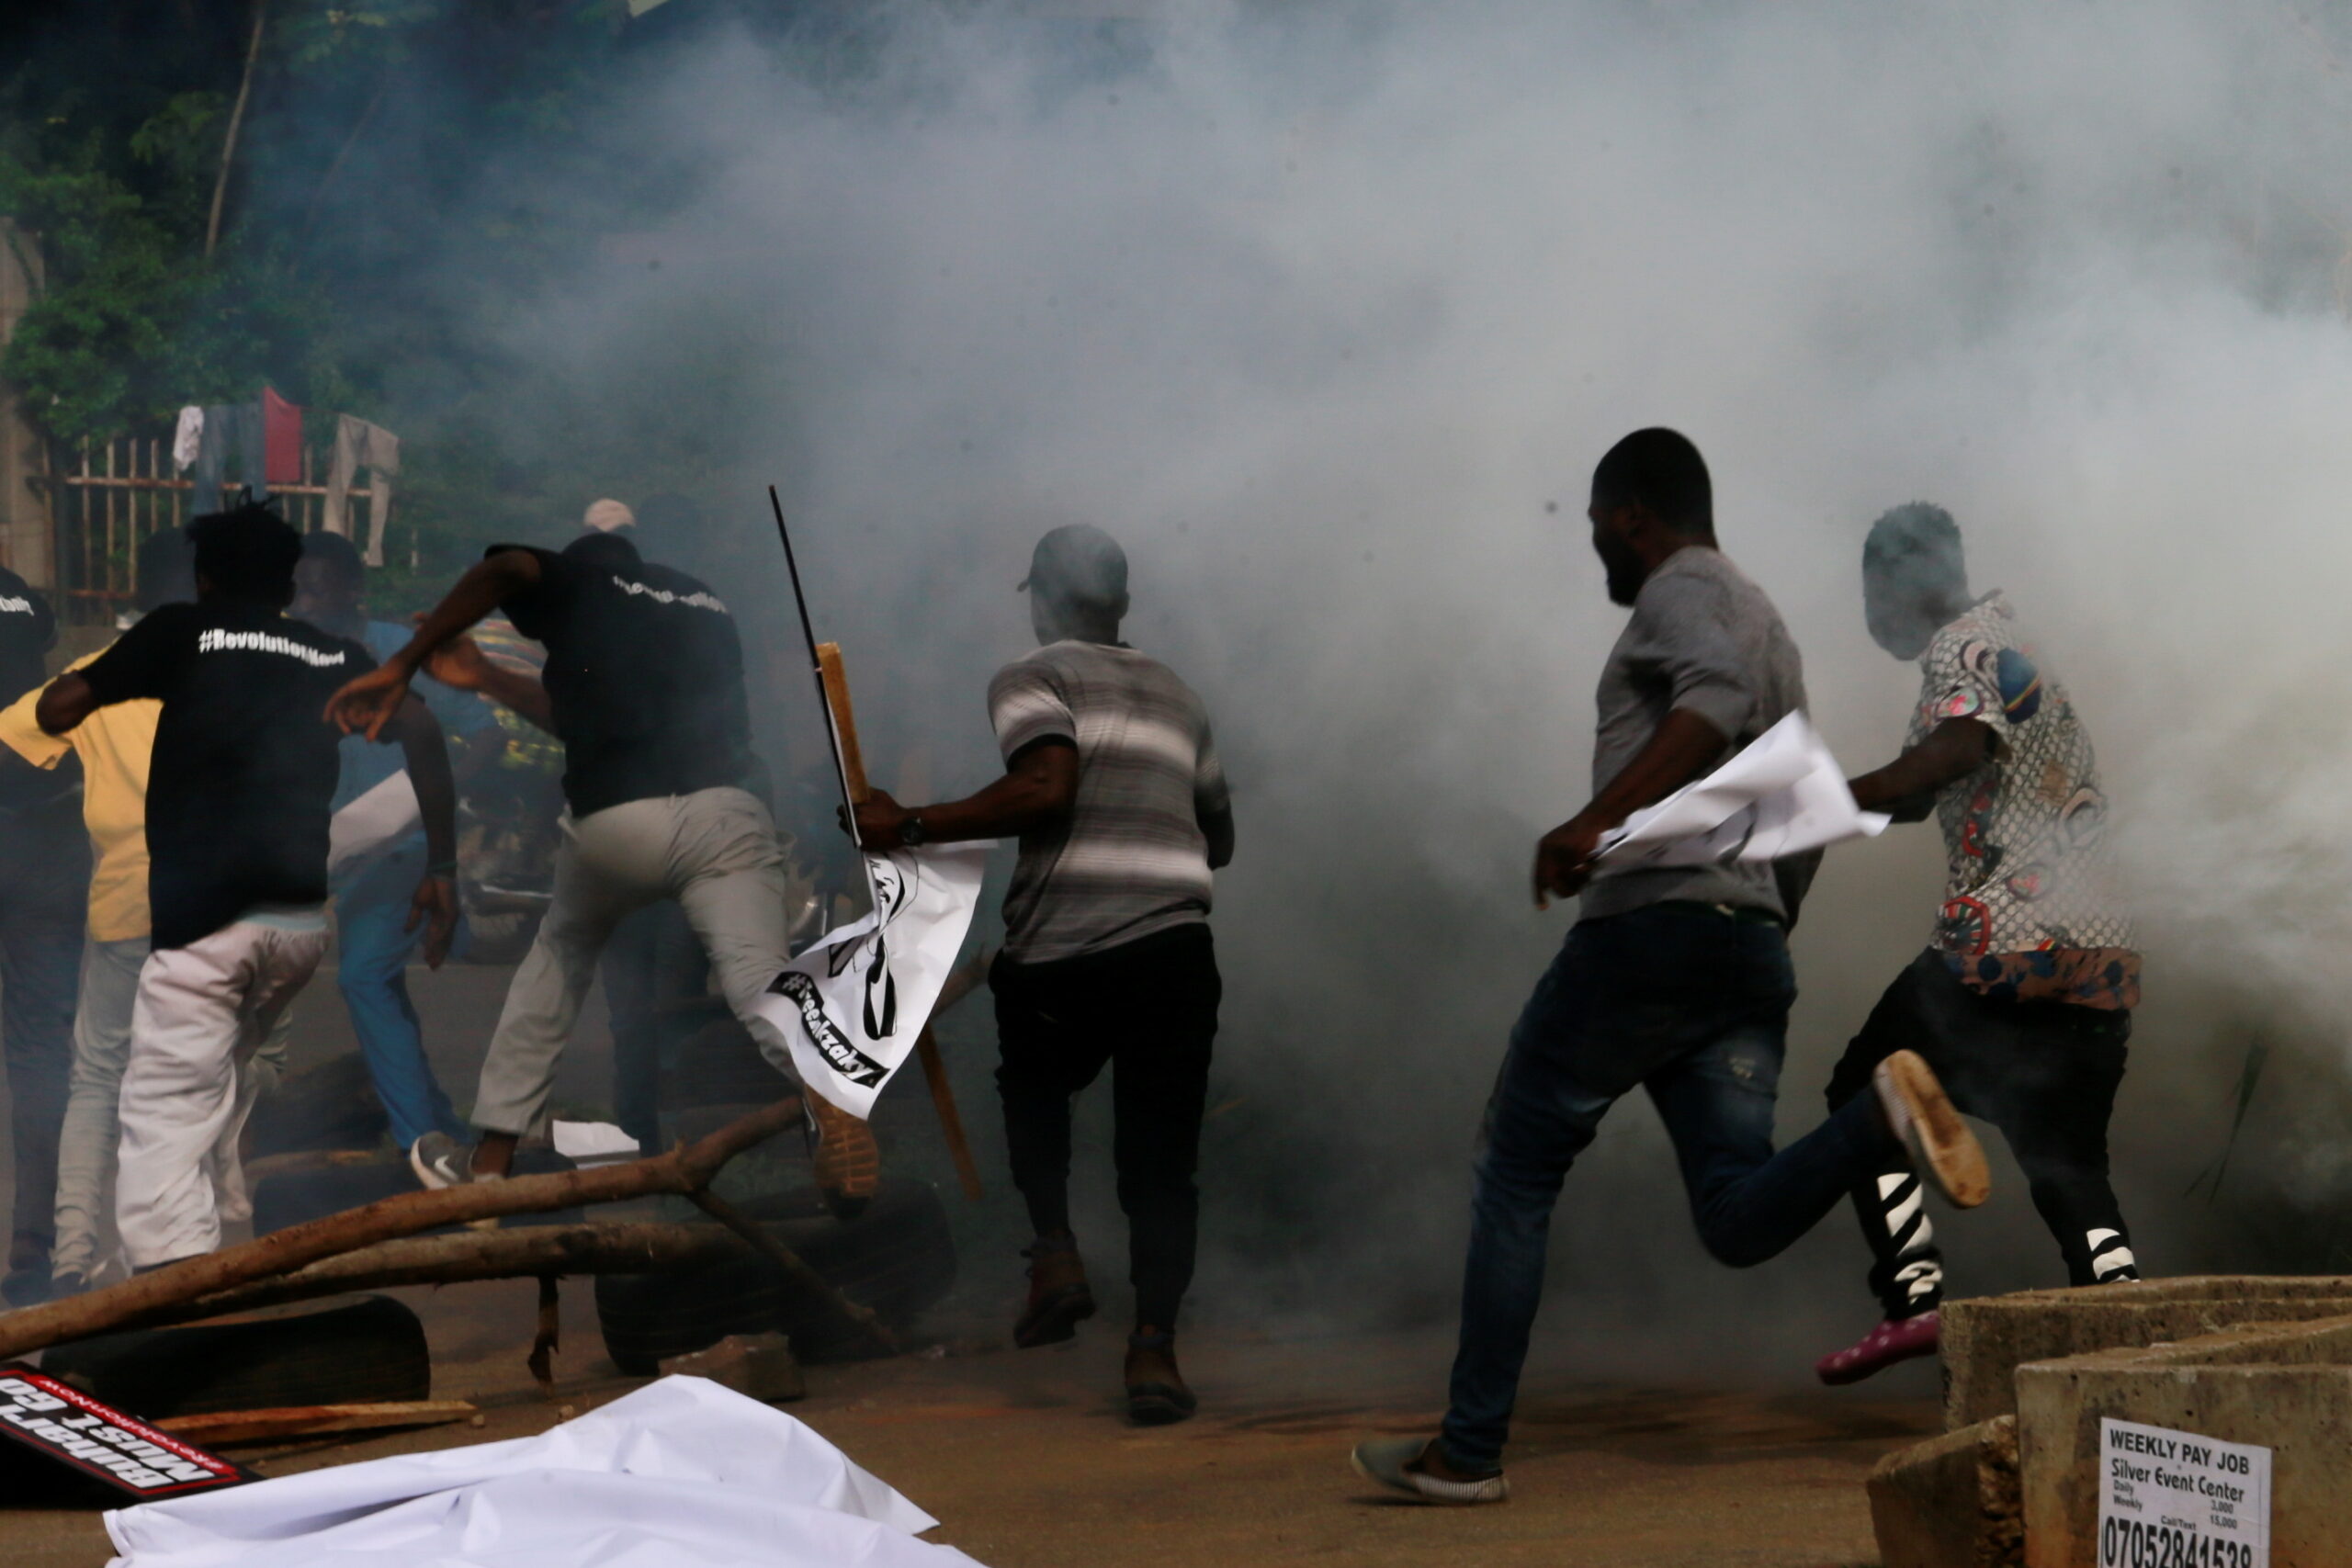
(1112,786)
(1673,980)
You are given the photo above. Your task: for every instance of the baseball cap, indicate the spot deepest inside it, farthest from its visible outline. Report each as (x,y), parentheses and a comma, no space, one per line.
(1080,562)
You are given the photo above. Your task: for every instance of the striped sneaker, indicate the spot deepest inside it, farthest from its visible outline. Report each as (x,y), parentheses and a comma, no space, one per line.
(1401,1464)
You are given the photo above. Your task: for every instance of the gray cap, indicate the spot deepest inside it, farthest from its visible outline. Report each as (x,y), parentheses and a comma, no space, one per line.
(1080,563)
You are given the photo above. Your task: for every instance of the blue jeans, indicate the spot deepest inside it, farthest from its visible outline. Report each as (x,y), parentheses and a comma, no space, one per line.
(1692,1006)
(371,970)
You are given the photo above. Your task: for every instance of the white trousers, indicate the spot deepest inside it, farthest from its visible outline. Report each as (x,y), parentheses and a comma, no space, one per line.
(201,1014)
(715,851)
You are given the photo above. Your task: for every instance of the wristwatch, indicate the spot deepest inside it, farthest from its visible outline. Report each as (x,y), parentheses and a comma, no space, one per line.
(910,830)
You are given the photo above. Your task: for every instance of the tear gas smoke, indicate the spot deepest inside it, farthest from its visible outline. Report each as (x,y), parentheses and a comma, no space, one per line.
(1326,311)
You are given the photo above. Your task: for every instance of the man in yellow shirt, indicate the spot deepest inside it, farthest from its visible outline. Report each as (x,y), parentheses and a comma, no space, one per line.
(113,745)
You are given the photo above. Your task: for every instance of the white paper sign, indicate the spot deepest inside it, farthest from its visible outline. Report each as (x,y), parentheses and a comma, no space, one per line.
(1782,795)
(851,1005)
(2174,1497)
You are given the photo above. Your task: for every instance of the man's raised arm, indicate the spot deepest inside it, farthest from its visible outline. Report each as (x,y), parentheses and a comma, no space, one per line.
(369,701)
(435,902)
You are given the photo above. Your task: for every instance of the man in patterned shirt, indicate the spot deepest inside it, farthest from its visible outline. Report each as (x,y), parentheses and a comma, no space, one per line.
(1112,784)
(2022,1002)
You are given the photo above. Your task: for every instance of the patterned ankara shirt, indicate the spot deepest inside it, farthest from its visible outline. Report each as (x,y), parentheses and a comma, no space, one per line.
(1131,859)
(2026,913)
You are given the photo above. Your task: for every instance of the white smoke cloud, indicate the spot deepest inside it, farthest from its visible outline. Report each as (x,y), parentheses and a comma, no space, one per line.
(1322,309)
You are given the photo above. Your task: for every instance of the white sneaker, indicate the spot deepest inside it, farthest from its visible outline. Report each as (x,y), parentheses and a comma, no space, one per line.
(1395,1463)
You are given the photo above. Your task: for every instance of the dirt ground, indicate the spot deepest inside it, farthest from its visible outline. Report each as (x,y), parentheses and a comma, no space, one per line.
(1023,1457)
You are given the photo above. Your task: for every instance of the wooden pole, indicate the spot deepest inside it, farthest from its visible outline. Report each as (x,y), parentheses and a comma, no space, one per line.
(836,679)
(236,120)
(834,676)
(683,1171)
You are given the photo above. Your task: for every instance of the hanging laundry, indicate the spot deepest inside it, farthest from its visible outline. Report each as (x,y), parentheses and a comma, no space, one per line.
(281,438)
(188,438)
(229,449)
(358,444)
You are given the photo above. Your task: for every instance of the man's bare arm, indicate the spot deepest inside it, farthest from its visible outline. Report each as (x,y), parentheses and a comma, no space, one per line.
(1218,826)
(1907,785)
(1679,752)
(369,701)
(435,902)
(64,703)
(462,665)
(1038,790)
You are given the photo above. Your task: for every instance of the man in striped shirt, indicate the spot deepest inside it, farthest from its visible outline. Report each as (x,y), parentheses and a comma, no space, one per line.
(1112,785)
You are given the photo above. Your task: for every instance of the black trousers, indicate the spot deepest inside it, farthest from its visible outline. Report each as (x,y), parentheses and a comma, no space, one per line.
(2044,1073)
(1148,1010)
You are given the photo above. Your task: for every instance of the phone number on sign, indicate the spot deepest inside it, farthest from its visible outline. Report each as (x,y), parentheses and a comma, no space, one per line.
(2128,1543)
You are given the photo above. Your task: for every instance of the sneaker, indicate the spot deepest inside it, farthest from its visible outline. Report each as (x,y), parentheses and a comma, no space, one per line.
(1410,1465)
(847,1160)
(1922,1119)
(440,1161)
(1896,1339)
(1156,1391)
(26,1287)
(1060,1297)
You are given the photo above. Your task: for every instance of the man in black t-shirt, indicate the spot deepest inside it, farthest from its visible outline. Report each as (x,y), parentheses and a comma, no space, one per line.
(44,896)
(238,795)
(644,686)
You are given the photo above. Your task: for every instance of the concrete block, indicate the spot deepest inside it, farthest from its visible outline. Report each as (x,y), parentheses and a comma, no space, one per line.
(2287,1387)
(1985,1340)
(1951,1502)
(760,1365)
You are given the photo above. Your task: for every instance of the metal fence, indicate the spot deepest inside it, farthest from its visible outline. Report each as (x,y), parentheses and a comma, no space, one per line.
(118,495)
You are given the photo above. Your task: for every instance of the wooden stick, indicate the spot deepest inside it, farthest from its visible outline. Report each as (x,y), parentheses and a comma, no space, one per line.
(683,1171)
(951,1122)
(836,679)
(734,1219)
(531,1252)
(311,1420)
(549,1335)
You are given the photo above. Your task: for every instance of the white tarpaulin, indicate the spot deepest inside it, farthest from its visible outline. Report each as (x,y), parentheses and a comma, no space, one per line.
(682,1473)
(853,1004)
(1782,795)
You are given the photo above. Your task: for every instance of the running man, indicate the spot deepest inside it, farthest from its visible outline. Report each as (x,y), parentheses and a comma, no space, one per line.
(237,810)
(1674,979)
(1112,785)
(644,686)
(2022,1002)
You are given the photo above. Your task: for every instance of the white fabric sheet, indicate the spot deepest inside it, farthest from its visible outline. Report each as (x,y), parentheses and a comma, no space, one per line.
(1782,795)
(592,1143)
(853,1004)
(682,1473)
(379,817)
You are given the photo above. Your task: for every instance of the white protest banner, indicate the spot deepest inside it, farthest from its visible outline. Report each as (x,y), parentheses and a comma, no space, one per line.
(1782,795)
(851,1005)
(2167,1497)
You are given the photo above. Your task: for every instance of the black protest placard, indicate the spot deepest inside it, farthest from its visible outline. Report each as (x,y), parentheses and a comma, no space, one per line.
(59,1422)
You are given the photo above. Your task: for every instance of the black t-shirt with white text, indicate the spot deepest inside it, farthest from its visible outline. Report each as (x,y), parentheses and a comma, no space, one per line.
(244,767)
(645,676)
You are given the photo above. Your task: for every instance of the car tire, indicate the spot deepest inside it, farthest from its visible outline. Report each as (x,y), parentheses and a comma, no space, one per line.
(343,1350)
(897,1258)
